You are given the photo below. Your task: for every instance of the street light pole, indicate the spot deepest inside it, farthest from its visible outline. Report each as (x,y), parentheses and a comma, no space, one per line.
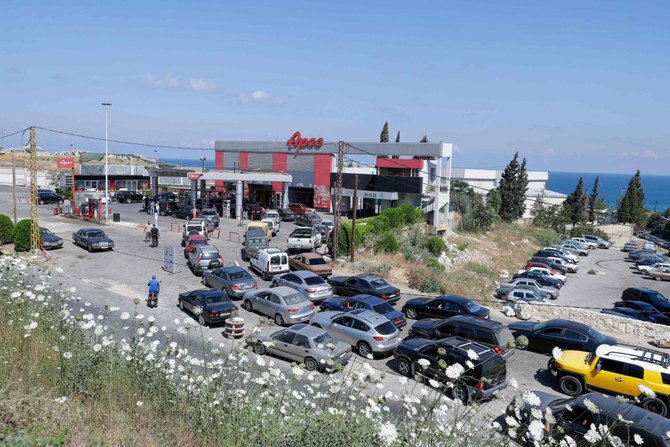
(106,105)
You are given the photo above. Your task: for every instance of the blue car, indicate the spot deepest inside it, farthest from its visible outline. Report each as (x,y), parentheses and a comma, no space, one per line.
(368,302)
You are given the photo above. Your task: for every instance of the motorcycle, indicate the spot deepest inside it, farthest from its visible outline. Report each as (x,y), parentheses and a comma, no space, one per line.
(152,300)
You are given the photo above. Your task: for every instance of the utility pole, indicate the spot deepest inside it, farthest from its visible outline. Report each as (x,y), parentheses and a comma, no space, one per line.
(14,184)
(34,210)
(338,197)
(106,105)
(353,222)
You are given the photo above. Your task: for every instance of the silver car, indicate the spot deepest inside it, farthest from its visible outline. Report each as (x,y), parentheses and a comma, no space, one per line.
(283,304)
(313,286)
(311,346)
(369,332)
(212,215)
(235,280)
(204,257)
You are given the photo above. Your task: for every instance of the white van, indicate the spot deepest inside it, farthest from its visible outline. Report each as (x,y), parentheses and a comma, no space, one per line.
(269,262)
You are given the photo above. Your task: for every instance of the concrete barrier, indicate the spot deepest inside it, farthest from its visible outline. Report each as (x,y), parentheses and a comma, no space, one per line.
(598,321)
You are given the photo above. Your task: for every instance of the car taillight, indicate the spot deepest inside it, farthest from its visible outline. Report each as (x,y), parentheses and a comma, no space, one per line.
(214,314)
(199,258)
(311,305)
(497,349)
(480,386)
(291,311)
(234,287)
(310,290)
(385,296)
(379,338)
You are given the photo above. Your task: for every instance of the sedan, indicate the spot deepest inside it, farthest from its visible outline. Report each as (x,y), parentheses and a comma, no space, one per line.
(365,284)
(566,334)
(314,287)
(92,239)
(284,304)
(304,344)
(630,246)
(48,197)
(312,262)
(636,314)
(236,281)
(308,220)
(209,306)
(129,196)
(50,240)
(444,306)
(541,278)
(286,214)
(368,302)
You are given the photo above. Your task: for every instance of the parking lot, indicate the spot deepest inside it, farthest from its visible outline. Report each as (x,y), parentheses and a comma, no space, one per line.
(118,277)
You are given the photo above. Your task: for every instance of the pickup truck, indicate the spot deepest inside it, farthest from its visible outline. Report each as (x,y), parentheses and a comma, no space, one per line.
(197,226)
(304,238)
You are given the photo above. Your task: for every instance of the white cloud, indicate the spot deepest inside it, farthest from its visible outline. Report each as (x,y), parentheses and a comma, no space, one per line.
(261,96)
(169,81)
(640,154)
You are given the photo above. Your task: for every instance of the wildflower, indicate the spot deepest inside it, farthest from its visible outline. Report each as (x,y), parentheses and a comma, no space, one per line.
(454,371)
(73,289)
(472,355)
(556,353)
(58,270)
(423,363)
(125,316)
(176,321)
(591,406)
(140,403)
(114,308)
(536,429)
(567,441)
(32,325)
(139,316)
(403,380)
(297,371)
(67,355)
(638,439)
(60,400)
(388,433)
(296,394)
(197,310)
(646,390)
(151,319)
(434,383)
(531,399)
(260,361)
(511,422)
(592,435)
(97,347)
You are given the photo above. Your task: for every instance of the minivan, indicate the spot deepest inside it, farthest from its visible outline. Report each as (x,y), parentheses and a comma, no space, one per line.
(263,226)
(269,262)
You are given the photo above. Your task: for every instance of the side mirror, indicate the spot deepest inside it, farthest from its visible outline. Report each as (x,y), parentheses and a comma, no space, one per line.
(599,367)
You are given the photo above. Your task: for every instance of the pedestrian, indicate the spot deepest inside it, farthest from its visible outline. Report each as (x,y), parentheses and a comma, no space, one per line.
(147,231)
(154,236)
(145,199)
(156,217)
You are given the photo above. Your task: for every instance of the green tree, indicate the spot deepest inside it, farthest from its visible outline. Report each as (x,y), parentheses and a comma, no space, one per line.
(631,208)
(397,137)
(424,139)
(574,204)
(512,189)
(494,200)
(478,217)
(384,136)
(6,229)
(593,200)
(461,197)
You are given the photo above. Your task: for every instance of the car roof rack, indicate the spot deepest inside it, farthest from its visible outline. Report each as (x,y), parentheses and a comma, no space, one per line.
(647,355)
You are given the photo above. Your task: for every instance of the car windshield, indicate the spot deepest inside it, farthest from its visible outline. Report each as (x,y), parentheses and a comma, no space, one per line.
(382,308)
(301,233)
(239,275)
(45,231)
(472,306)
(386,328)
(294,298)
(379,283)
(198,242)
(257,240)
(314,280)
(317,261)
(219,298)
(324,339)
(95,234)
(209,212)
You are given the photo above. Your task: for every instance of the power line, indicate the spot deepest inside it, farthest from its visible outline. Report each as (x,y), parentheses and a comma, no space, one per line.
(14,133)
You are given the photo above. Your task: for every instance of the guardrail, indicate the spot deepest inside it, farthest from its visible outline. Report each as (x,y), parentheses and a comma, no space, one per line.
(174,224)
(230,236)
(217,231)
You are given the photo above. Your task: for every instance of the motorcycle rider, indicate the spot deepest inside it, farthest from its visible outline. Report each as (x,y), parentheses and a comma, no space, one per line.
(154,287)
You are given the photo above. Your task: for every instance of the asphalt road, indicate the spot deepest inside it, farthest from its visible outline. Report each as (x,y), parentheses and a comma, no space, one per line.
(117,277)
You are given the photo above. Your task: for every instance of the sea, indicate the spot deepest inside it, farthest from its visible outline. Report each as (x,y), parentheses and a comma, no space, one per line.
(613,186)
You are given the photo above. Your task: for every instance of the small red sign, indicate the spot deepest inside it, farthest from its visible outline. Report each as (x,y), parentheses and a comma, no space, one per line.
(65,162)
(297,142)
(194,175)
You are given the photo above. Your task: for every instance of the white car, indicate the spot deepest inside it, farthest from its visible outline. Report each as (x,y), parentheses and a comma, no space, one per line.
(565,253)
(558,276)
(647,268)
(273,224)
(581,240)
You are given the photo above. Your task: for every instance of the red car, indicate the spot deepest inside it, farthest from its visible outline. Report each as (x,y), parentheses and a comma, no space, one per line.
(544,266)
(193,241)
(299,208)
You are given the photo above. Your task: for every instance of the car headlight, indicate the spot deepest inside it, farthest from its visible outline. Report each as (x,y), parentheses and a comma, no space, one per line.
(95,244)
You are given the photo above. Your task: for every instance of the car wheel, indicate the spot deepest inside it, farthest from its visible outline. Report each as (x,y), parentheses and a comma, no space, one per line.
(310,364)
(248,306)
(404,366)
(363,349)
(128,200)
(265,276)
(202,321)
(180,304)
(570,385)
(657,278)
(411,313)
(274,284)
(461,392)
(89,248)
(41,202)
(655,405)
(279,320)
(259,348)
(204,281)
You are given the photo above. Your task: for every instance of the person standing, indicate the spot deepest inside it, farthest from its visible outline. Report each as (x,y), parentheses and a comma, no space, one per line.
(147,231)
(154,236)
(156,209)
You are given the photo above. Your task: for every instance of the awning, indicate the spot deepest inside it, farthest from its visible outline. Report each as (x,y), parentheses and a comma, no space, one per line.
(231,176)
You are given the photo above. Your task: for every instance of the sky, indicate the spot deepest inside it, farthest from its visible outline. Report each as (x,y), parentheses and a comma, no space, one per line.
(571,86)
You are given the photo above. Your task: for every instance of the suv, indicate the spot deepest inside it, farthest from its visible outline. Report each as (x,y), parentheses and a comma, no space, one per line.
(204,257)
(254,241)
(128,196)
(48,197)
(484,379)
(645,295)
(212,215)
(602,243)
(490,333)
(618,370)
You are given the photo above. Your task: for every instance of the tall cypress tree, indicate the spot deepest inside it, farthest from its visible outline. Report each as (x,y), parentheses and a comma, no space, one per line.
(631,208)
(521,189)
(384,136)
(509,191)
(593,200)
(574,204)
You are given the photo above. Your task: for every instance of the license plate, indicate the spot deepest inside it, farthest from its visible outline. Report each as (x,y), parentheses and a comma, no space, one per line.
(103,245)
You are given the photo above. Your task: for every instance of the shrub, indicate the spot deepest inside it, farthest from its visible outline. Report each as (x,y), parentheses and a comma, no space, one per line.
(6,229)
(382,270)
(395,218)
(418,254)
(434,264)
(387,243)
(480,269)
(22,235)
(436,245)
(379,224)
(427,280)
(64,192)
(462,246)
(411,214)
(592,272)
(546,237)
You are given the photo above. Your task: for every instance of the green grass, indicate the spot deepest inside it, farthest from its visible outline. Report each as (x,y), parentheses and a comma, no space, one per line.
(480,269)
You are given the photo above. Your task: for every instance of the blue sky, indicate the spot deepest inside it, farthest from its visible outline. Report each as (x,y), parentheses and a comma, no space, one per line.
(573,86)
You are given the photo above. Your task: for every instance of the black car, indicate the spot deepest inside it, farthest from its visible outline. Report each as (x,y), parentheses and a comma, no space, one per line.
(574,417)
(650,296)
(364,284)
(255,211)
(490,333)
(487,377)
(443,306)
(182,212)
(566,334)
(286,215)
(651,313)
(551,263)
(651,260)
(210,306)
(50,240)
(307,220)
(638,254)
(129,196)
(540,278)
(44,197)
(636,314)
(92,239)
